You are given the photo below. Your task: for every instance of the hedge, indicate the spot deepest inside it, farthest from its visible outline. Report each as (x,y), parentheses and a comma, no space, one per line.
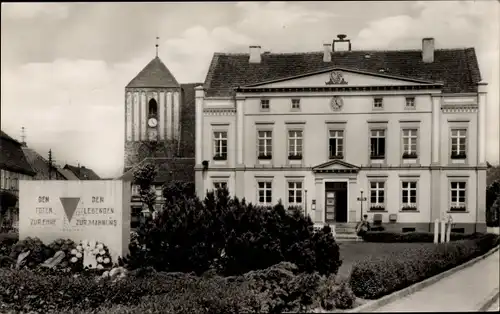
(375,277)
(410,237)
(276,289)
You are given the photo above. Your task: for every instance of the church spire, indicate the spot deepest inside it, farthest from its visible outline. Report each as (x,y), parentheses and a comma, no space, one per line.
(157,45)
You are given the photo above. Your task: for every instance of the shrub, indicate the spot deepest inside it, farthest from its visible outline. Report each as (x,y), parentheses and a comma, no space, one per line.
(335,295)
(270,290)
(279,288)
(378,276)
(231,237)
(409,237)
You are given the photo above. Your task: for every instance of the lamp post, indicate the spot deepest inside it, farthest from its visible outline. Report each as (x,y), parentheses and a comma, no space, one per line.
(361,199)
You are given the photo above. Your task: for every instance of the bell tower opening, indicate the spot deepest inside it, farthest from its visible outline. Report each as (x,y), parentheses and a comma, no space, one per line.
(152,108)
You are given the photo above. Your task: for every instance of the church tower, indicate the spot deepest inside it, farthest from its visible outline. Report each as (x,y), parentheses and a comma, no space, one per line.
(152,114)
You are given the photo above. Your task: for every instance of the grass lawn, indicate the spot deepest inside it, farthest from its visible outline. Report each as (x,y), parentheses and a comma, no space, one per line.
(350,252)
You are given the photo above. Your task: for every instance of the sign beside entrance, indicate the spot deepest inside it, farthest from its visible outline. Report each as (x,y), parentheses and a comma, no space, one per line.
(76,210)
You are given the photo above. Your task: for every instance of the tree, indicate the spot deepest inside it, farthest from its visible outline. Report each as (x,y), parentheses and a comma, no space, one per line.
(144,177)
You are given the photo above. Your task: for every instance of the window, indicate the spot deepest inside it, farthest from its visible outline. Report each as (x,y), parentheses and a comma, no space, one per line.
(264,104)
(377,195)
(458,190)
(410,102)
(458,143)
(457,230)
(220,185)
(158,192)
(377,144)
(220,145)
(409,195)
(265,192)
(295,193)
(336,144)
(135,190)
(153,107)
(410,143)
(265,148)
(295,144)
(378,103)
(7,183)
(14,184)
(295,104)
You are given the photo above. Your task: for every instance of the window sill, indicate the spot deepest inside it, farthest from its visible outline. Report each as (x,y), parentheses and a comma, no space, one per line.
(295,110)
(410,161)
(264,110)
(338,157)
(220,162)
(457,212)
(409,211)
(377,108)
(377,211)
(295,161)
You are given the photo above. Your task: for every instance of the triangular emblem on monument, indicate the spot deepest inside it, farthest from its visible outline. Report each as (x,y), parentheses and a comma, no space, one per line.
(69,204)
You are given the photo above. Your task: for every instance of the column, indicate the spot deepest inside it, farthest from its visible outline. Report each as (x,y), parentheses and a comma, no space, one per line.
(240,129)
(161,123)
(481,124)
(128,117)
(436,128)
(143,116)
(169,115)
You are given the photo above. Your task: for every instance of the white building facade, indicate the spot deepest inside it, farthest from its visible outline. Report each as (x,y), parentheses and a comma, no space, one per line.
(324,130)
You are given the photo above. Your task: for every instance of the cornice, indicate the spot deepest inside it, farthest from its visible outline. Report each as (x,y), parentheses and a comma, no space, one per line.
(343,88)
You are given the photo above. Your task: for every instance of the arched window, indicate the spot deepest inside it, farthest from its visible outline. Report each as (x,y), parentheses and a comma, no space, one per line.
(153,107)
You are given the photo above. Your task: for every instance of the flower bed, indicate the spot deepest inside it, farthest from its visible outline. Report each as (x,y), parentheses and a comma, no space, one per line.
(409,237)
(377,276)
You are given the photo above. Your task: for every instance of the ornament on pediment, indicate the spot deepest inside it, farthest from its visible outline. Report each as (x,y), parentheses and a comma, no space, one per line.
(336,78)
(336,103)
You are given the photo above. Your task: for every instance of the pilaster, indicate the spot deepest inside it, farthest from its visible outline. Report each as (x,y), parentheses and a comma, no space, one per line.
(436,193)
(481,124)
(239,130)
(199,94)
(239,182)
(320,207)
(199,182)
(436,129)
(481,200)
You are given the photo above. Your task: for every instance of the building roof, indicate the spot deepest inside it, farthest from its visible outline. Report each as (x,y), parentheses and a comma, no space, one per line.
(169,169)
(68,174)
(155,74)
(82,173)
(12,157)
(457,69)
(41,165)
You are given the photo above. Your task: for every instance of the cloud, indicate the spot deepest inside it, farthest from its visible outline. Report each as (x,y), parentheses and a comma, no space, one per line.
(33,9)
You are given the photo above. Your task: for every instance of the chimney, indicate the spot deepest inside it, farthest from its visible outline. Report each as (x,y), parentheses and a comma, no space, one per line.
(428,50)
(254,54)
(327,55)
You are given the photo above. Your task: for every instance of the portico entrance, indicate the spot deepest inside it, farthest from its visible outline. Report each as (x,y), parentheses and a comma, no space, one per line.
(336,186)
(336,202)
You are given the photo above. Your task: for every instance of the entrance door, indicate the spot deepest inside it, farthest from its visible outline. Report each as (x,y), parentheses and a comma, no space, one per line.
(335,202)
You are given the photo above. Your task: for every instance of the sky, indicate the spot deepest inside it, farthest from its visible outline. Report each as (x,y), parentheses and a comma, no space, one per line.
(64,66)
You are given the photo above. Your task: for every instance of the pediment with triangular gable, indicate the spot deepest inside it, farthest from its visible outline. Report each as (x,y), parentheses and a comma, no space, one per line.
(336,166)
(341,77)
